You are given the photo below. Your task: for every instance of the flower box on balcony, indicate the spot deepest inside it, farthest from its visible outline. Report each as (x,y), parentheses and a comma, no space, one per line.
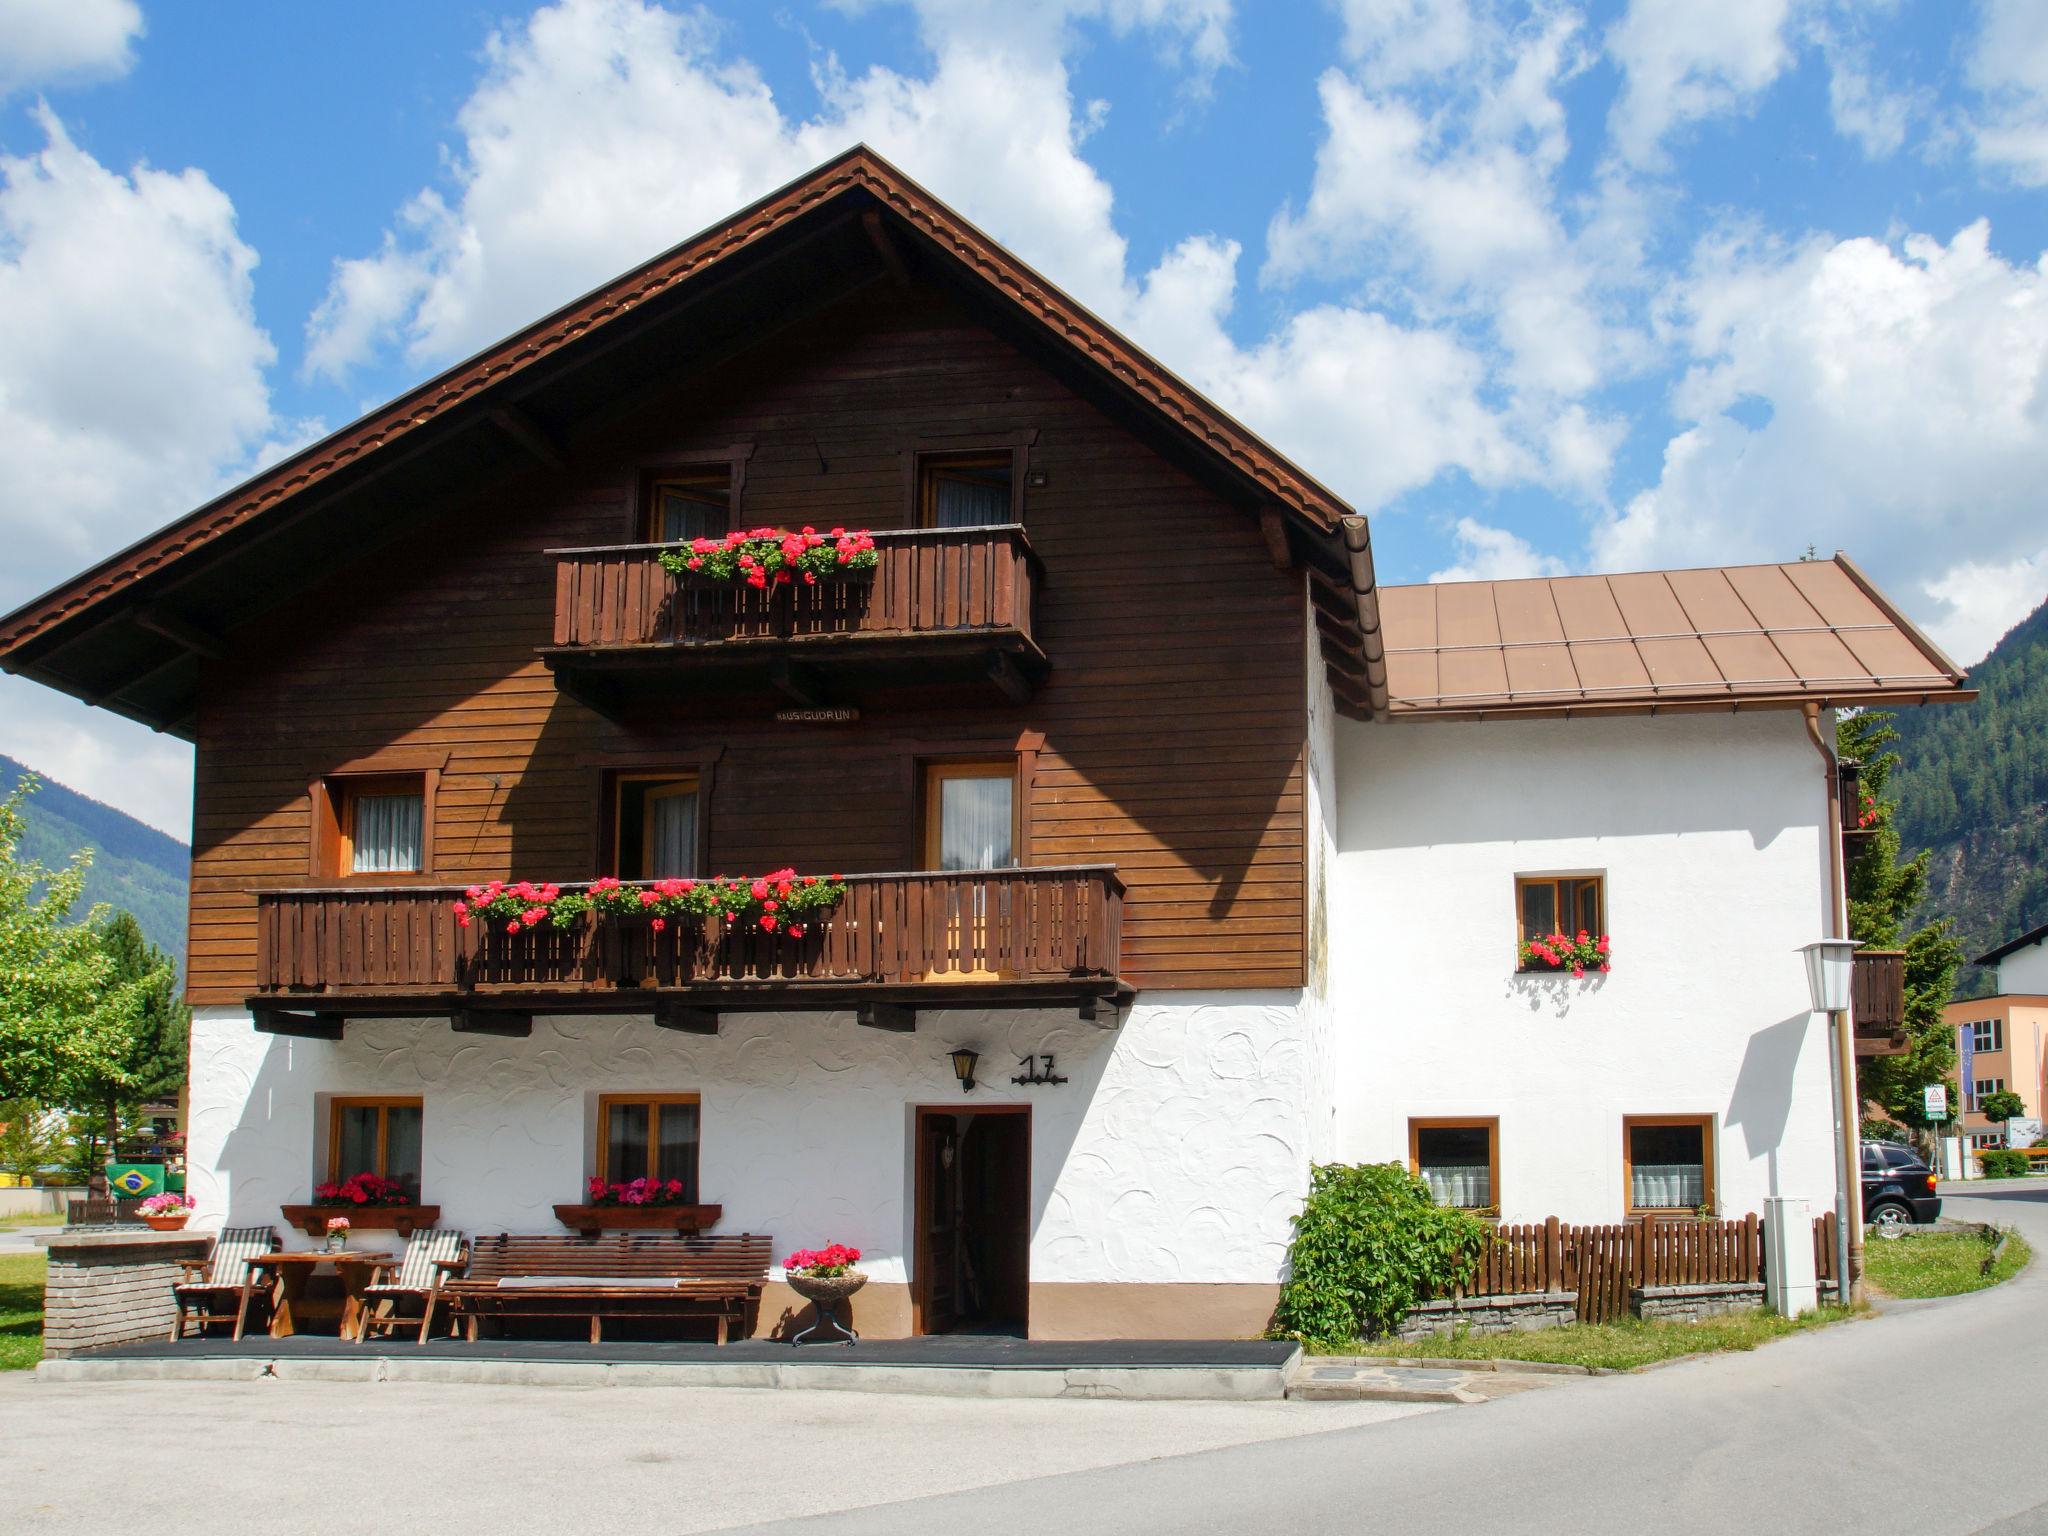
(593,1219)
(402,1219)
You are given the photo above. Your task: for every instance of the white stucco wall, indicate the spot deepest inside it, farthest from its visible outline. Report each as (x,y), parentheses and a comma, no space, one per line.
(2025,971)
(1177,1151)
(1708,829)
(1319,832)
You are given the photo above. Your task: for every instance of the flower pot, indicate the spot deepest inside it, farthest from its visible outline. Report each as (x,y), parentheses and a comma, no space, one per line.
(592,1219)
(402,1219)
(168,1223)
(827,1290)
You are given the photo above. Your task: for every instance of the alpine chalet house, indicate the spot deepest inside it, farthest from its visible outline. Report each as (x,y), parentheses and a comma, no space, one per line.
(1024,863)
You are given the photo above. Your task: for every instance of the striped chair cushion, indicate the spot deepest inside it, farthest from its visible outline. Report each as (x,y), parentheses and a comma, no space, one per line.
(425,1252)
(233,1250)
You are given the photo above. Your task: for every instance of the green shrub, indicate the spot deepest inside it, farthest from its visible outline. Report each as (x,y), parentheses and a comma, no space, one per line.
(2005,1164)
(1368,1245)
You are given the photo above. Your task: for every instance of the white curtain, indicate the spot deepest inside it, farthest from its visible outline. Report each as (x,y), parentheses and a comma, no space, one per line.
(692,515)
(1668,1186)
(1470,1187)
(671,836)
(963,503)
(974,824)
(386,835)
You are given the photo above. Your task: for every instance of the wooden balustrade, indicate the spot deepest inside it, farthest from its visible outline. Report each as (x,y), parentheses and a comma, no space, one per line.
(1877,991)
(929,581)
(997,928)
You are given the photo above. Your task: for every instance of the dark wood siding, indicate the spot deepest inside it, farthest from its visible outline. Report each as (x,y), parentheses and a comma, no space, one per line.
(1172,723)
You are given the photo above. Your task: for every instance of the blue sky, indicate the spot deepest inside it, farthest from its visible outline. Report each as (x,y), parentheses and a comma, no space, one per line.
(1540,287)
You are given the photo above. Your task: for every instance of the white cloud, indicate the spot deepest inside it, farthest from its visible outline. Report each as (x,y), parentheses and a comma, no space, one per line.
(2008,64)
(1683,61)
(1907,418)
(58,42)
(1979,602)
(131,379)
(1486,553)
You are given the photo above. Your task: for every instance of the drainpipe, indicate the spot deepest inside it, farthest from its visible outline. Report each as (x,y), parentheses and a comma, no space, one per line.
(1848,1125)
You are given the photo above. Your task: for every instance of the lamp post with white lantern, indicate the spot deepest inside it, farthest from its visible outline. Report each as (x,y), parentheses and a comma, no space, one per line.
(1830,964)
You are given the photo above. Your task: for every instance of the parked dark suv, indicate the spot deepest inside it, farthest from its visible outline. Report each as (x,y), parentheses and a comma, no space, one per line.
(1897,1186)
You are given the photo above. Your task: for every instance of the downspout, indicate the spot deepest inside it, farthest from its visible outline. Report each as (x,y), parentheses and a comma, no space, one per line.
(1848,1106)
(1365,596)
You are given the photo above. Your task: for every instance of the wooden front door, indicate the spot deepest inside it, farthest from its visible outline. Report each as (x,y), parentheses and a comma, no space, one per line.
(973,1213)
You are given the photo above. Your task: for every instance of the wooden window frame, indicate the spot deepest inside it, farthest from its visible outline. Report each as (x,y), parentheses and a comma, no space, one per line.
(1710,1175)
(699,780)
(991,766)
(673,466)
(1016,454)
(655,1101)
(382,1103)
(329,852)
(1417,1124)
(1523,882)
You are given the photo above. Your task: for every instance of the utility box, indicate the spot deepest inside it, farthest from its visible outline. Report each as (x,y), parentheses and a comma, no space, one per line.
(1790,1286)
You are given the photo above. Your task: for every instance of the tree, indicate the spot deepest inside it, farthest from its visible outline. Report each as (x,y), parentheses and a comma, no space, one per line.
(1882,895)
(2001,1106)
(145,1058)
(64,1013)
(31,1138)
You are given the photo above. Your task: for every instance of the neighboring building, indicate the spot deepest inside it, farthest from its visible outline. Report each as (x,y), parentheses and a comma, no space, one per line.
(1999,1037)
(1140,783)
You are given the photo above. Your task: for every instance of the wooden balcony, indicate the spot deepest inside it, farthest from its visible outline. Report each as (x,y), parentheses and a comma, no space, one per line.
(1877,1001)
(944,608)
(897,943)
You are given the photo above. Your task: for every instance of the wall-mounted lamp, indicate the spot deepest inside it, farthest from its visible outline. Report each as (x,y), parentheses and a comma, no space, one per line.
(963,1067)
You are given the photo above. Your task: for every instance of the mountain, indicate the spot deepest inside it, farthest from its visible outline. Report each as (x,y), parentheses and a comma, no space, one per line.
(133,865)
(1972,785)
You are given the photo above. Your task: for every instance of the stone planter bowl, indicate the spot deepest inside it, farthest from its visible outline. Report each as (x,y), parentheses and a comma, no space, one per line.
(827,1290)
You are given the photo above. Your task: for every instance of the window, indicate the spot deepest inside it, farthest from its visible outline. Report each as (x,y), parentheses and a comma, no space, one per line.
(380,1136)
(1982,1141)
(643,1136)
(1987,1035)
(1982,1087)
(1560,904)
(970,815)
(690,504)
(965,490)
(383,822)
(1459,1160)
(658,824)
(1669,1162)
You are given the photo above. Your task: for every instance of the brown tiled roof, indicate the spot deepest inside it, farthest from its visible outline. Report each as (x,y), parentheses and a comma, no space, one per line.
(1813,631)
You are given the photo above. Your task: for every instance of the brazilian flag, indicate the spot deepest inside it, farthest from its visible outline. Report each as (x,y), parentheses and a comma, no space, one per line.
(132,1181)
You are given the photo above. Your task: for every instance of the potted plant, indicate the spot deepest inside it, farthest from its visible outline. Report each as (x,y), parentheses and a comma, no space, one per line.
(659,1204)
(166,1213)
(772,557)
(825,1277)
(370,1199)
(337,1233)
(1577,953)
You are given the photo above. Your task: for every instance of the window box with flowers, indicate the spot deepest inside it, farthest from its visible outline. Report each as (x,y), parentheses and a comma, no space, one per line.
(369,1201)
(1555,953)
(641,1204)
(774,557)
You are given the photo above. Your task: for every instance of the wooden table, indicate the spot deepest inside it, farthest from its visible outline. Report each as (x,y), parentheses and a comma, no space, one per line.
(291,1271)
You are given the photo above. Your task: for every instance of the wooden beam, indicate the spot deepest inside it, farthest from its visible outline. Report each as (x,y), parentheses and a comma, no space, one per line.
(1102,1012)
(684,1019)
(297,1023)
(491,1021)
(529,434)
(892,1016)
(798,683)
(885,247)
(181,632)
(1009,678)
(1273,526)
(136,679)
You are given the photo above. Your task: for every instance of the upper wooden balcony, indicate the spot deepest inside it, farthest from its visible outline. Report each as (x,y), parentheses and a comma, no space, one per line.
(945,607)
(898,942)
(1877,1001)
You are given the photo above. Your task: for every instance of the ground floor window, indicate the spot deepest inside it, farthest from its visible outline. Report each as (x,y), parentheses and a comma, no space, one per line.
(649,1136)
(1458,1159)
(1669,1162)
(1985,1141)
(380,1136)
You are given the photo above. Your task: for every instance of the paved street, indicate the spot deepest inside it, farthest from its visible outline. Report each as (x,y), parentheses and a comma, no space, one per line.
(1804,1435)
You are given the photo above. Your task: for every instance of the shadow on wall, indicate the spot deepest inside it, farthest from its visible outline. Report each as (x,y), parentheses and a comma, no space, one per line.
(1555,993)
(1762,1100)
(266,1157)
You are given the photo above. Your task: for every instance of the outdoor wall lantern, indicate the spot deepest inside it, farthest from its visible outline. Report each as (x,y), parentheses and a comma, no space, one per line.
(963,1067)
(1829,963)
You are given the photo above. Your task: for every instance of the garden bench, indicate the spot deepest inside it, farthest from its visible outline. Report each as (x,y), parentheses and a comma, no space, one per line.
(625,1274)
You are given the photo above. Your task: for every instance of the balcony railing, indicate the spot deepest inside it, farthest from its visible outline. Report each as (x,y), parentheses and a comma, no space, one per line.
(1877,998)
(996,932)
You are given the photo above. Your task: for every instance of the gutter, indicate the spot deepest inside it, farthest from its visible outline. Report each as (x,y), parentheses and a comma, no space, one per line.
(1365,597)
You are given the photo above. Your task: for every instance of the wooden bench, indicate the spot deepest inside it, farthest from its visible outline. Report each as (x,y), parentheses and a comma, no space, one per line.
(622,1274)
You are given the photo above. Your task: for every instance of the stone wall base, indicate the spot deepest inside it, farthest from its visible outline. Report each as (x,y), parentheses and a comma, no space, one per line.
(1690,1303)
(1490,1314)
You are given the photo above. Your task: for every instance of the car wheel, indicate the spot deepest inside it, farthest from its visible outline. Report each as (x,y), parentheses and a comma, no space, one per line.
(1890,1218)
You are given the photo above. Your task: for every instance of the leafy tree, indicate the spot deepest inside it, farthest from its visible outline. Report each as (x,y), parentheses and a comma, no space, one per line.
(31,1138)
(145,1059)
(1883,893)
(2001,1106)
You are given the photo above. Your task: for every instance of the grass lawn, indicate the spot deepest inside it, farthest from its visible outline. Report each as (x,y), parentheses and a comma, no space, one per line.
(31,1219)
(1616,1346)
(21,1310)
(1939,1263)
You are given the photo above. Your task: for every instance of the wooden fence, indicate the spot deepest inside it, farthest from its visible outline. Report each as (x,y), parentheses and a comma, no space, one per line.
(1604,1263)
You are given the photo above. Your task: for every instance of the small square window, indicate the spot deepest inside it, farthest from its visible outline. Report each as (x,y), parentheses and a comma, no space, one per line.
(380,1136)
(649,1136)
(965,490)
(695,504)
(383,824)
(1670,1161)
(1459,1160)
(659,825)
(1986,1035)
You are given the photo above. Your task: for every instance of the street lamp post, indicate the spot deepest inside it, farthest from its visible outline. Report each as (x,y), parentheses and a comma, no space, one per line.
(1830,964)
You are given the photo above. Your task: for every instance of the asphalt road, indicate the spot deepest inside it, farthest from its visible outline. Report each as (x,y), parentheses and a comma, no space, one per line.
(1873,1426)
